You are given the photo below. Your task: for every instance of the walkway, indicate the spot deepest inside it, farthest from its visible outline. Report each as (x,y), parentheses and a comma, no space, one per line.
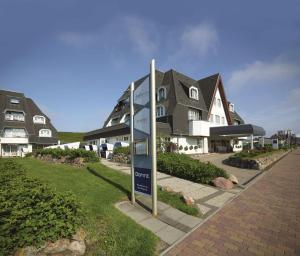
(263,220)
(243,175)
(208,198)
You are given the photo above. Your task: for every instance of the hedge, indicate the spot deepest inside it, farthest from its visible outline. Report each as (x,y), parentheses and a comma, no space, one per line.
(88,156)
(30,212)
(183,166)
(122,150)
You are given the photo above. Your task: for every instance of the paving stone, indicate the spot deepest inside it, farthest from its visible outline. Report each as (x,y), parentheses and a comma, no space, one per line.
(220,200)
(203,209)
(201,193)
(173,213)
(170,235)
(153,224)
(125,206)
(190,221)
(138,214)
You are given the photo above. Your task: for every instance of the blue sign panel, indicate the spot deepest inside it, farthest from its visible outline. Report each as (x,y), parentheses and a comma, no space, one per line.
(142,180)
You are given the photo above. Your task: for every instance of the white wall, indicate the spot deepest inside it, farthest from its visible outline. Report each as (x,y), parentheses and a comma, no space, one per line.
(191,141)
(216,110)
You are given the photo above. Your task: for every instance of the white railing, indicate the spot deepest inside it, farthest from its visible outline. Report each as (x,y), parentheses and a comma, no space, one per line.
(199,128)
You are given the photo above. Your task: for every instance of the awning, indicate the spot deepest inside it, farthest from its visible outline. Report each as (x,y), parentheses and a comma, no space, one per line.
(237,130)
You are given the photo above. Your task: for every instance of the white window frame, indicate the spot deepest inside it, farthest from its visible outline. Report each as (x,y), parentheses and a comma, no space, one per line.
(14,101)
(211,119)
(219,103)
(123,119)
(11,134)
(218,120)
(161,112)
(10,116)
(164,96)
(196,96)
(45,135)
(222,120)
(38,122)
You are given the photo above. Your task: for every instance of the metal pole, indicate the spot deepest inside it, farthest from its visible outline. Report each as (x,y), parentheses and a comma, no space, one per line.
(252,141)
(132,142)
(153,136)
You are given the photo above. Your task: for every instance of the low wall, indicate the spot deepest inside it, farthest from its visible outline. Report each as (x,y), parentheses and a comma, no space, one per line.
(121,158)
(260,163)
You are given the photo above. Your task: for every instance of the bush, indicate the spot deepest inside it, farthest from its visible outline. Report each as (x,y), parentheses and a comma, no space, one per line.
(122,150)
(183,166)
(30,212)
(71,154)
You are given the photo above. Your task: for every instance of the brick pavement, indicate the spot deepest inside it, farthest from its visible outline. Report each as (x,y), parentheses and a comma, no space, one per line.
(263,220)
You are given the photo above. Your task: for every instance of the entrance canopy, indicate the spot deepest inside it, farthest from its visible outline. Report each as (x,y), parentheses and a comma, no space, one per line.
(237,130)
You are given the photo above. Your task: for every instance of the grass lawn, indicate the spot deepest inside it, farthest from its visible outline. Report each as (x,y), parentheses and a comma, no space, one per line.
(98,189)
(110,231)
(66,137)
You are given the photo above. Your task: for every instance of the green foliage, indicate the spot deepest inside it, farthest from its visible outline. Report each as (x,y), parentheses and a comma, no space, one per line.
(30,212)
(67,137)
(182,166)
(122,150)
(71,154)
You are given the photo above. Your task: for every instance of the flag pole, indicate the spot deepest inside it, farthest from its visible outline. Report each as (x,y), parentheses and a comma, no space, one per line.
(132,142)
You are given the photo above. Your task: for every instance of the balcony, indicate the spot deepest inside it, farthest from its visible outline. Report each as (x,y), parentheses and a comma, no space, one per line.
(12,140)
(199,128)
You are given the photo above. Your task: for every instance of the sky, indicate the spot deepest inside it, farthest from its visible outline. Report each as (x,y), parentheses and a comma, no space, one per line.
(75,58)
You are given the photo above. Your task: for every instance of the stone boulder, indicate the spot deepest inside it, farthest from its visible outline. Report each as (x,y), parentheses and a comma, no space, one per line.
(188,200)
(233,179)
(167,189)
(77,247)
(222,183)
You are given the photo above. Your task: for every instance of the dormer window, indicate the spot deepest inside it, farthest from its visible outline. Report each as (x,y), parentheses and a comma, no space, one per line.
(39,119)
(125,118)
(14,101)
(14,116)
(193,91)
(160,111)
(162,93)
(45,133)
(231,107)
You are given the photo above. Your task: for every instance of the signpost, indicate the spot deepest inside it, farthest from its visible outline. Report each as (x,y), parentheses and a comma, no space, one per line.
(143,138)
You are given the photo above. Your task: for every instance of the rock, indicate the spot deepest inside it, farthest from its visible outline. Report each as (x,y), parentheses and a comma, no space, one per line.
(167,189)
(27,251)
(58,246)
(19,252)
(77,247)
(80,235)
(78,161)
(188,200)
(233,179)
(223,183)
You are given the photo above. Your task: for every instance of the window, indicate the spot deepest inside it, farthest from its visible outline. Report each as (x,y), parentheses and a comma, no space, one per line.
(194,114)
(217,119)
(193,93)
(211,118)
(223,120)
(200,142)
(125,138)
(125,118)
(14,101)
(162,93)
(39,119)
(114,121)
(14,133)
(14,116)
(45,133)
(160,111)
(219,103)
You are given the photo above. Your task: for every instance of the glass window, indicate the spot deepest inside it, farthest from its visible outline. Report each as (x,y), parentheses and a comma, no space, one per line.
(160,111)
(194,93)
(211,118)
(14,101)
(162,94)
(39,119)
(114,121)
(219,103)
(217,119)
(45,133)
(223,120)
(14,116)
(194,114)
(14,133)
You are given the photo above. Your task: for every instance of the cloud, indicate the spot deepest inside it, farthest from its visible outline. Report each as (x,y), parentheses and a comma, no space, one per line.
(199,39)
(141,35)
(262,72)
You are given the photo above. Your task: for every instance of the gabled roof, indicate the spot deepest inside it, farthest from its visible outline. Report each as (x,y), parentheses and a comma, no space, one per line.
(207,86)
(182,83)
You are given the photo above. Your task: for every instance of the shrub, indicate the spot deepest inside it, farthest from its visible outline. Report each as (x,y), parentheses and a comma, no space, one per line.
(186,148)
(71,154)
(122,150)
(183,166)
(191,147)
(30,212)
(180,147)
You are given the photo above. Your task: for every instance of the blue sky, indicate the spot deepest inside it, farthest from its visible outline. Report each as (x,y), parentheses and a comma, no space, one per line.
(74,58)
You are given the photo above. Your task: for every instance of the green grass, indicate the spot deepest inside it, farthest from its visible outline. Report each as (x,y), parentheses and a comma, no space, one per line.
(66,137)
(110,231)
(98,188)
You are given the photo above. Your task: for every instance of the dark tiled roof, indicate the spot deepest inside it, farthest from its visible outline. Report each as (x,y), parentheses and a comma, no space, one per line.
(30,109)
(235,116)
(207,86)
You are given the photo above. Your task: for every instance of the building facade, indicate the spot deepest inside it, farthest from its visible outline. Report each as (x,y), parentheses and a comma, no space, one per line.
(186,112)
(23,126)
